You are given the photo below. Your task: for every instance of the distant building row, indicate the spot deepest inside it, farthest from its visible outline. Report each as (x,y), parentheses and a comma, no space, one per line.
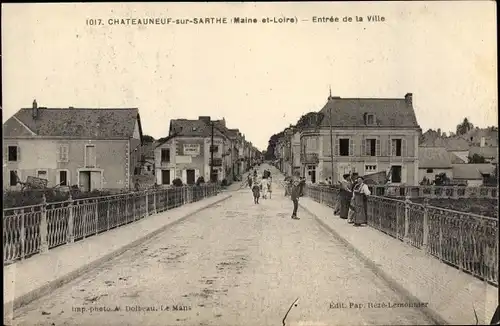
(104,149)
(186,152)
(365,136)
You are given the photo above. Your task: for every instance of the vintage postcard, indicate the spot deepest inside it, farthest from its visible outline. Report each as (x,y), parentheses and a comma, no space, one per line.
(293,163)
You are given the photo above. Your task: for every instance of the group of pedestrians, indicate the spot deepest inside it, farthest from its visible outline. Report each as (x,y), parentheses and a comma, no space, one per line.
(260,184)
(353,200)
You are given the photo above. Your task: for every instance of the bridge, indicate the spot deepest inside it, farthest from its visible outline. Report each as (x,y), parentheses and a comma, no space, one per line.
(201,256)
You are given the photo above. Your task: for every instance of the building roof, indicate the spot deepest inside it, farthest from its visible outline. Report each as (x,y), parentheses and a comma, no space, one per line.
(91,123)
(472,171)
(350,112)
(190,128)
(450,143)
(455,159)
(486,152)
(433,158)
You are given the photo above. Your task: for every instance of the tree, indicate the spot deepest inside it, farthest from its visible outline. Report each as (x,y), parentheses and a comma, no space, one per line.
(148,138)
(464,127)
(476,158)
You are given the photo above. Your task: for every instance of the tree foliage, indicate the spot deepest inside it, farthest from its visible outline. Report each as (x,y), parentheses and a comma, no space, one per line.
(147,139)
(476,158)
(464,127)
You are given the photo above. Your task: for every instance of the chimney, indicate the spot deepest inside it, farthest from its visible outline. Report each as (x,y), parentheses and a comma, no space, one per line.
(483,142)
(409,99)
(35,110)
(204,118)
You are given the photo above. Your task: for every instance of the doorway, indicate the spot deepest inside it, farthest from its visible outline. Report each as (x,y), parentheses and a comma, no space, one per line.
(85,180)
(90,180)
(311,172)
(190,177)
(165,177)
(396,173)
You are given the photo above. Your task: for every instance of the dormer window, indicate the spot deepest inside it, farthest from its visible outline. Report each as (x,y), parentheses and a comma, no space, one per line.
(370,119)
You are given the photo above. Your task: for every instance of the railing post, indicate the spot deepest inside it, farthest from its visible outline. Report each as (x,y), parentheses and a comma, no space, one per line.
(71,221)
(126,208)
(406,236)
(134,206)
(108,212)
(425,225)
(44,245)
(96,218)
(147,204)
(23,232)
(154,201)
(441,237)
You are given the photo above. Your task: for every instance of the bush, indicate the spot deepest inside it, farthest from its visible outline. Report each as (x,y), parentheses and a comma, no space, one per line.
(224,183)
(200,181)
(177,182)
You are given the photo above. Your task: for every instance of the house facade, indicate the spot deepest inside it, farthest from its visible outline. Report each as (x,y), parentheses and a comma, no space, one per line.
(185,153)
(362,136)
(434,161)
(472,175)
(93,149)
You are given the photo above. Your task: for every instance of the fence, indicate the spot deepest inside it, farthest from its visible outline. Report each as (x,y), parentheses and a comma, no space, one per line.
(34,229)
(434,191)
(466,241)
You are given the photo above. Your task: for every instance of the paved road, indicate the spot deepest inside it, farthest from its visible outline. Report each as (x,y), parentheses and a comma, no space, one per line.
(235,264)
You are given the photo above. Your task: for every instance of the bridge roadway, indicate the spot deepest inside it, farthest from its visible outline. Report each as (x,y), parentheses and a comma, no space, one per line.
(236,263)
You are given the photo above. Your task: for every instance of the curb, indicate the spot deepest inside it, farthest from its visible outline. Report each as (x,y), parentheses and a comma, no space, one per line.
(433,315)
(46,289)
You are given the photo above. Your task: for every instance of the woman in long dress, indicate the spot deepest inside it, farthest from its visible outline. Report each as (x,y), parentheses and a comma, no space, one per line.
(360,202)
(264,188)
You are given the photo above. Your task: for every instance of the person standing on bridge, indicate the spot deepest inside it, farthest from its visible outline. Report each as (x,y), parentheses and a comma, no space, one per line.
(360,201)
(345,196)
(295,193)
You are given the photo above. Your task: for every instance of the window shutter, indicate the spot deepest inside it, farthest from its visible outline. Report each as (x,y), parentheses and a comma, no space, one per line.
(336,152)
(351,147)
(377,147)
(18,153)
(6,153)
(59,153)
(403,147)
(184,176)
(389,147)
(363,147)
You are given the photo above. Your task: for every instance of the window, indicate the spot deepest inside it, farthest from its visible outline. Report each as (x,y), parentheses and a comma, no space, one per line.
(430,170)
(63,178)
(397,147)
(214,148)
(165,155)
(344,147)
(63,153)
(370,119)
(371,147)
(371,168)
(42,174)
(13,153)
(90,156)
(149,168)
(13,178)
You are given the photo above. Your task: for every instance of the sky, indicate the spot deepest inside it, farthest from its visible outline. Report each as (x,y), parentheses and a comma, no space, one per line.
(260,77)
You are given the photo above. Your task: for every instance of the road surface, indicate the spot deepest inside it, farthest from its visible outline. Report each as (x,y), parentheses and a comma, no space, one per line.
(235,264)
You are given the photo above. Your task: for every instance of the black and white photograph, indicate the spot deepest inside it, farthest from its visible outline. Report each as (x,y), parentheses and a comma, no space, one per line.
(250,163)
